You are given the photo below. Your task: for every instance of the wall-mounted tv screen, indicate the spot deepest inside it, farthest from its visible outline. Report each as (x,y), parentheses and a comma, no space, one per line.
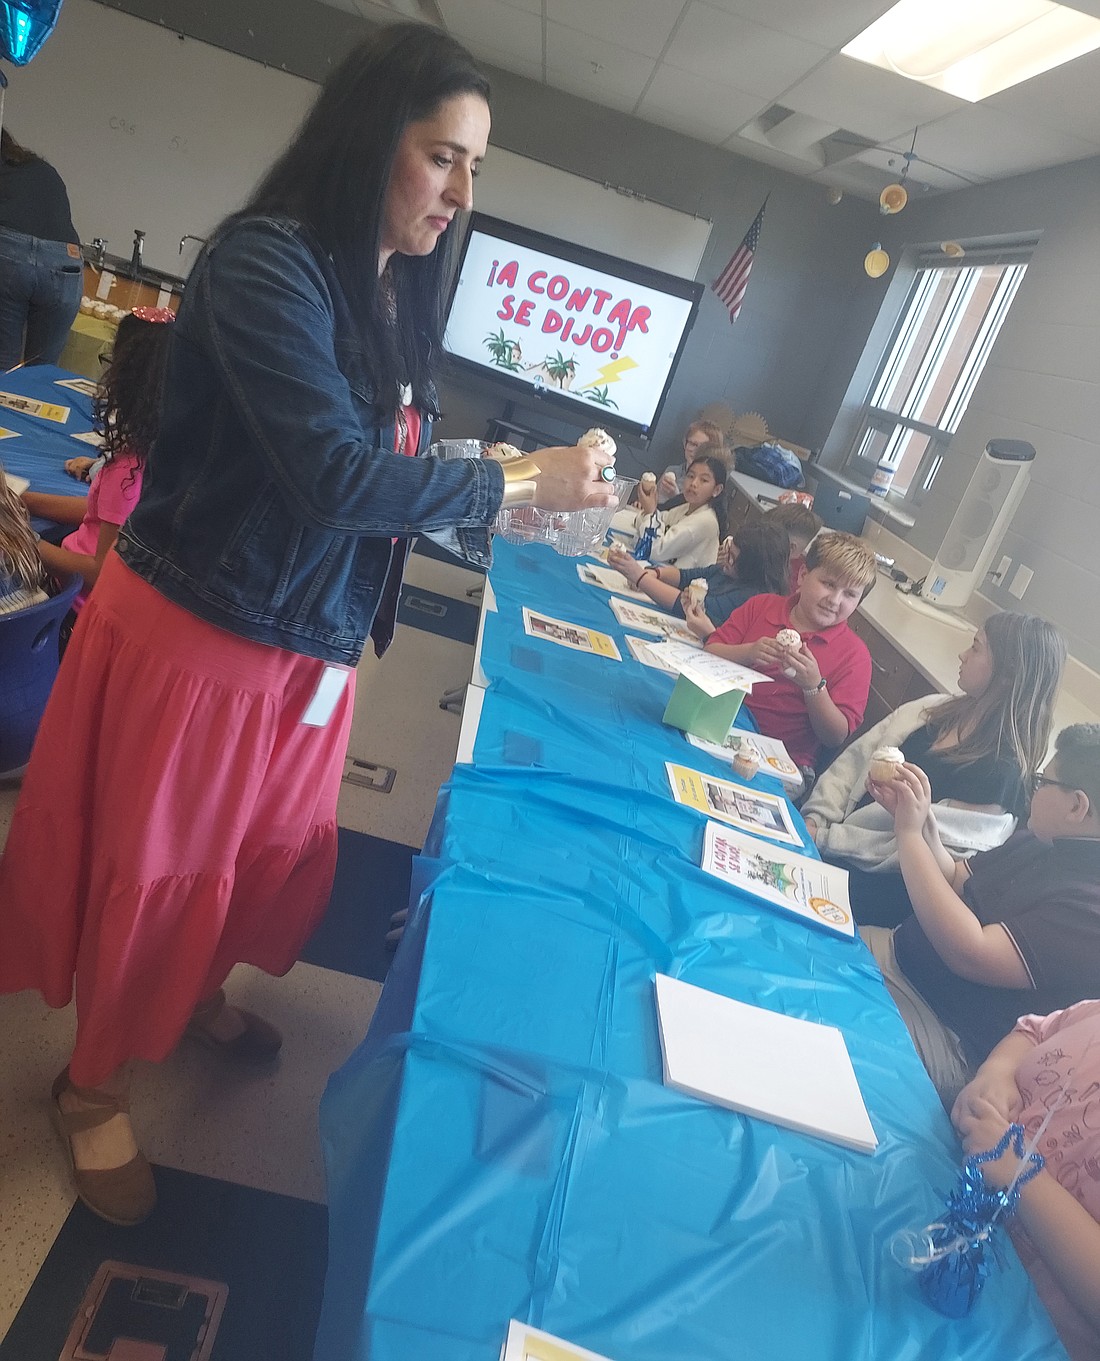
(591,334)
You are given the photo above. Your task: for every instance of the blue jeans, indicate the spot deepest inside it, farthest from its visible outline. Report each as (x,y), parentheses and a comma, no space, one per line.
(41,285)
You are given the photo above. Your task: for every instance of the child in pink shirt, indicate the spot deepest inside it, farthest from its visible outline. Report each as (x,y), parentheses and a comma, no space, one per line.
(126,409)
(1049,1062)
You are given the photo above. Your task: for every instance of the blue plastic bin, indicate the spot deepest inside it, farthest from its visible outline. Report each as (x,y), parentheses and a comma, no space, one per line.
(28,665)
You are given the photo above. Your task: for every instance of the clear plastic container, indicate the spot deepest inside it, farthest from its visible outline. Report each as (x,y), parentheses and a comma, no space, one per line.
(457,448)
(570,533)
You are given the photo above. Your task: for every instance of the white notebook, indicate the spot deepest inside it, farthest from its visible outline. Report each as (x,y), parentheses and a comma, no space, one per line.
(779,1068)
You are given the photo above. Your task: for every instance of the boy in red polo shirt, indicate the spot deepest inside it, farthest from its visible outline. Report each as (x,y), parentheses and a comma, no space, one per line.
(820,690)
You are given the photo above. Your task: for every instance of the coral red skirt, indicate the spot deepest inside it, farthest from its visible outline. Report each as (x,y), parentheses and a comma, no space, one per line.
(177,818)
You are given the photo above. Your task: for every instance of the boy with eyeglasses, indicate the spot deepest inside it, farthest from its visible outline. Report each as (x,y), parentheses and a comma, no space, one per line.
(1011,930)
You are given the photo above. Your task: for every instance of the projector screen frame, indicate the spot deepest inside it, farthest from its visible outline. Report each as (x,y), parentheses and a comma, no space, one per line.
(557,401)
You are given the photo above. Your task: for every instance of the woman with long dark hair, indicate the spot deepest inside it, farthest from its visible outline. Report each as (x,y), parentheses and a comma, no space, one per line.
(210,679)
(41,267)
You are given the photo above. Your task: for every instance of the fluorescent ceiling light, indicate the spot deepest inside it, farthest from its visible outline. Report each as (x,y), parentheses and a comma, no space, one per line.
(974,48)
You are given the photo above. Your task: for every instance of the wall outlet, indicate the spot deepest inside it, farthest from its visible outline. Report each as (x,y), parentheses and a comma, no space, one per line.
(1001,570)
(1021,581)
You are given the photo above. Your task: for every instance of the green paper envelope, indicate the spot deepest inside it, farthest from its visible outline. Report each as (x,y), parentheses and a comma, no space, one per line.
(709,716)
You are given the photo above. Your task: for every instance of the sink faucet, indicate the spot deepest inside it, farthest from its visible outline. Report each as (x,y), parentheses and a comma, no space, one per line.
(139,246)
(184,240)
(99,251)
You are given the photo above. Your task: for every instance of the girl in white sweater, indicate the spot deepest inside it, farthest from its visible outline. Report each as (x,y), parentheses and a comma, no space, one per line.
(689,534)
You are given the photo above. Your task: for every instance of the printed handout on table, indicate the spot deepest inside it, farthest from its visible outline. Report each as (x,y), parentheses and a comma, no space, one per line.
(770,753)
(761,1063)
(607,579)
(650,620)
(84,386)
(796,883)
(713,675)
(752,810)
(92,437)
(576,636)
(525,1343)
(29,406)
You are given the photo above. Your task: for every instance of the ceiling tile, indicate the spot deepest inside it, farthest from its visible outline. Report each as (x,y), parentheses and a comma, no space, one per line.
(861,98)
(594,69)
(831,23)
(1067,97)
(642,28)
(487,55)
(492,24)
(687,103)
(768,155)
(739,53)
(992,144)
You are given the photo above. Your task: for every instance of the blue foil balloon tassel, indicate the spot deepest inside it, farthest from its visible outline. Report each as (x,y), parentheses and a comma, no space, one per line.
(963,1243)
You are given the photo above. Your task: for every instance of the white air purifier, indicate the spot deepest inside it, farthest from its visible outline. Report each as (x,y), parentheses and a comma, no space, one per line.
(975,534)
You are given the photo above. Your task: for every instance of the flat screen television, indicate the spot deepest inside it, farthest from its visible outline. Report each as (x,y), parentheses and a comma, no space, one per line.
(593,335)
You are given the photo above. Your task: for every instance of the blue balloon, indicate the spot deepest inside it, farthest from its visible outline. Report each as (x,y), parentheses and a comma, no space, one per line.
(24,27)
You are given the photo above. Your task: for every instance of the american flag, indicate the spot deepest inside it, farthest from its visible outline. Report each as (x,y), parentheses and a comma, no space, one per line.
(734,279)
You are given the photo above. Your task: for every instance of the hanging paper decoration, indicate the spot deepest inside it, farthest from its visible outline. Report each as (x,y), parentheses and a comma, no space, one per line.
(893,199)
(24,27)
(876,262)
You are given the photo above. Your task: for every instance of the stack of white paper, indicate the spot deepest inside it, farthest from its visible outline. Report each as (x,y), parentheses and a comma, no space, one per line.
(779,1068)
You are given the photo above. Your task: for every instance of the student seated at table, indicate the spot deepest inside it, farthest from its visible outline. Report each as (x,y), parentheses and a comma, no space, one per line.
(699,438)
(1013,929)
(802,525)
(752,562)
(980,751)
(1048,1064)
(689,534)
(127,409)
(22,574)
(819,692)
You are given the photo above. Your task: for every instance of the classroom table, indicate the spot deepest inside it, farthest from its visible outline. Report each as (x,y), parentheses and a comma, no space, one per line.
(502,1144)
(35,448)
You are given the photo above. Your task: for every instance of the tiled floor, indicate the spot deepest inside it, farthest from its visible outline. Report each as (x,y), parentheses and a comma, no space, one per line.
(191,1114)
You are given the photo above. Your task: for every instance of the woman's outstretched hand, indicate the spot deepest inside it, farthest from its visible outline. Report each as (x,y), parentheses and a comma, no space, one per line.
(569,479)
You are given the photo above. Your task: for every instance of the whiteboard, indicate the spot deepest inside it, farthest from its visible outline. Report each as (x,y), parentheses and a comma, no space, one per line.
(170,135)
(549,200)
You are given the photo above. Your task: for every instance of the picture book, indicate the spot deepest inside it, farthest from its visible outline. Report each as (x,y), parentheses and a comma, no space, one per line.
(651,620)
(796,883)
(761,1063)
(751,810)
(607,579)
(769,752)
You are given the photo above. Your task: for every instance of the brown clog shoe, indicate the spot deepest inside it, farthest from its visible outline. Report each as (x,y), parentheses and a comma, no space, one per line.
(123,1195)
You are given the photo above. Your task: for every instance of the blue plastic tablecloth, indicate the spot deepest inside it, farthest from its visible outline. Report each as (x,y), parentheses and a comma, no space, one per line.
(502,1145)
(38,449)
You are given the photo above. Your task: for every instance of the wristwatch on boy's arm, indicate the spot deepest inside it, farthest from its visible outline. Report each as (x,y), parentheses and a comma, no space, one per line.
(814,689)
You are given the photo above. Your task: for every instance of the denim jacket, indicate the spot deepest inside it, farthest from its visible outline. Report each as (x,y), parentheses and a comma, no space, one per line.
(272,496)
